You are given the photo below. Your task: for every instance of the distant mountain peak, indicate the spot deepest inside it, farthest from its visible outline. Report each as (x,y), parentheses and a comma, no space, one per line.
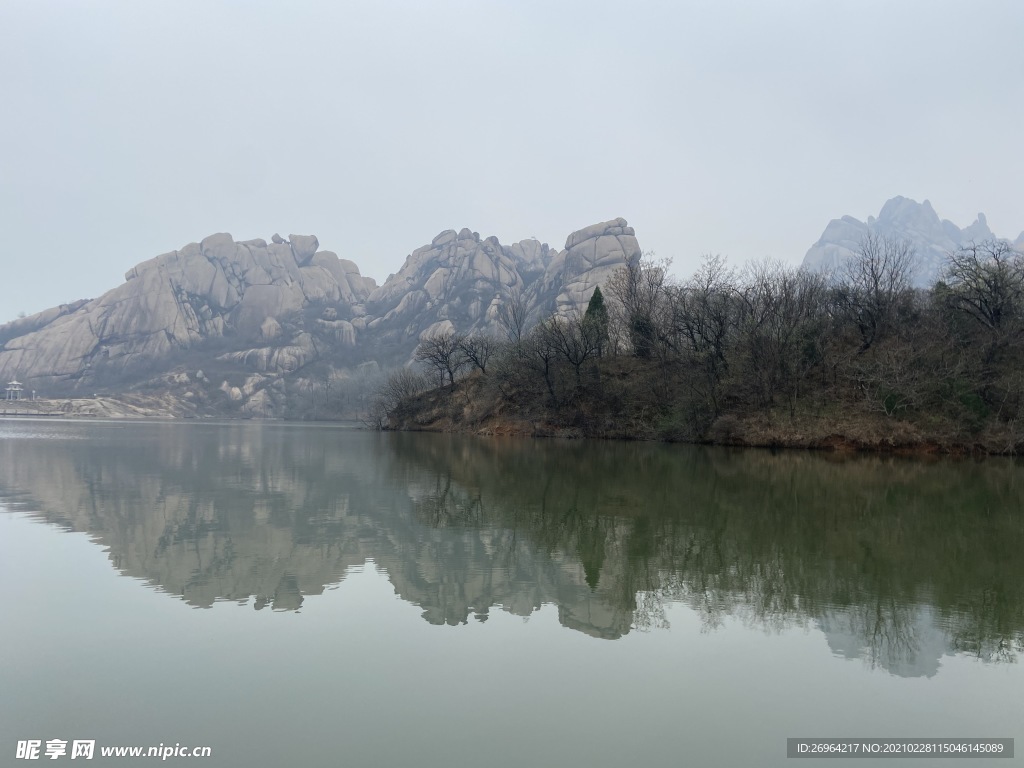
(905,219)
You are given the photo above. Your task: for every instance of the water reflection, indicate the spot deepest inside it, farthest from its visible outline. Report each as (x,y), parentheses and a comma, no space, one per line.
(897,562)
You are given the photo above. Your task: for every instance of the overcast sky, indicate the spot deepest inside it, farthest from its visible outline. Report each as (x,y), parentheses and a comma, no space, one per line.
(129,129)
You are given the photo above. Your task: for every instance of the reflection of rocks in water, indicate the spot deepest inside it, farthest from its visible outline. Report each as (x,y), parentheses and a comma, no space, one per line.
(609,533)
(207,513)
(239,512)
(464,563)
(287,597)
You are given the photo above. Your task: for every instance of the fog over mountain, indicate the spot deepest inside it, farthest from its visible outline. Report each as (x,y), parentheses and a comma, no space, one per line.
(252,327)
(903,219)
(734,128)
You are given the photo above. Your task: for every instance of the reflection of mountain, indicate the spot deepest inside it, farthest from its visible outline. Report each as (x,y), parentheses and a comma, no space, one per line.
(906,642)
(898,562)
(240,511)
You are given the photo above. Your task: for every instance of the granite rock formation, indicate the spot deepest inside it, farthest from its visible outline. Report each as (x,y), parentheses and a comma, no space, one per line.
(456,282)
(591,256)
(216,289)
(460,281)
(905,219)
(263,319)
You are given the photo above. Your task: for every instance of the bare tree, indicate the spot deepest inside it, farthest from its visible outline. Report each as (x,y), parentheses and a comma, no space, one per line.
(703,313)
(892,380)
(442,353)
(703,310)
(986,283)
(874,286)
(478,348)
(780,320)
(541,356)
(575,340)
(399,387)
(512,316)
(639,291)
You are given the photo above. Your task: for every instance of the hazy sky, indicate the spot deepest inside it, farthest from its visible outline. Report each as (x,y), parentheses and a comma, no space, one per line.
(129,129)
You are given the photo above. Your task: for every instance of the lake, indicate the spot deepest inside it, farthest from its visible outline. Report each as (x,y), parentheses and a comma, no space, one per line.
(312,595)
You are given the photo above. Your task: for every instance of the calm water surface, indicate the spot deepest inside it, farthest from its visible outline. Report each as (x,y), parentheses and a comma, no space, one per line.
(319,596)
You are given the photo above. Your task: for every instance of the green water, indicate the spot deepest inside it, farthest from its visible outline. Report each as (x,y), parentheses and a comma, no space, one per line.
(312,595)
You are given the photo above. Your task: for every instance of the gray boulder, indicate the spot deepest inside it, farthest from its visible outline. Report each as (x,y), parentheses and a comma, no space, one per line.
(303,247)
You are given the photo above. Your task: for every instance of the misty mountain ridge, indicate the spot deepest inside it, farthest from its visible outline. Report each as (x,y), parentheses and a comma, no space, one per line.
(903,219)
(241,327)
(253,328)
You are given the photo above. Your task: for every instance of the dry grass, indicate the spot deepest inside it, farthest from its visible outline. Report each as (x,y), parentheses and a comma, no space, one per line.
(627,405)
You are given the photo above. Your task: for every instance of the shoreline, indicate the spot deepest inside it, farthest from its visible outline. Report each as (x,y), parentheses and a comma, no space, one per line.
(844,435)
(757,431)
(834,443)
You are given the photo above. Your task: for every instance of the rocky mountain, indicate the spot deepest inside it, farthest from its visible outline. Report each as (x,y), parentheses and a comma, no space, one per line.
(459,281)
(206,291)
(905,219)
(243,326)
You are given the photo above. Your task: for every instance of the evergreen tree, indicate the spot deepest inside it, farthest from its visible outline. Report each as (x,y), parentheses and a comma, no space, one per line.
(595,320)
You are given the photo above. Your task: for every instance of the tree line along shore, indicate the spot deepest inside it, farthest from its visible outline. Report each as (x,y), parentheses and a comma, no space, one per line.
(763,355)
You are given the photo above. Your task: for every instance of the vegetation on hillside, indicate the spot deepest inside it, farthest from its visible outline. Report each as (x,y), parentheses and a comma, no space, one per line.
(763,355)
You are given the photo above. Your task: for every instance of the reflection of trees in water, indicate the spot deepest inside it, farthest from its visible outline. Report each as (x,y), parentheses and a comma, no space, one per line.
(988,632)
(887,629)
(445,506)
(897,561)
(893,552)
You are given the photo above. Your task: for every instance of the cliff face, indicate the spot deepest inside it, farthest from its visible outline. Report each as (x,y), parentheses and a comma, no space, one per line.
(591,256)
(459,281)
(243,321)
(455,283)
